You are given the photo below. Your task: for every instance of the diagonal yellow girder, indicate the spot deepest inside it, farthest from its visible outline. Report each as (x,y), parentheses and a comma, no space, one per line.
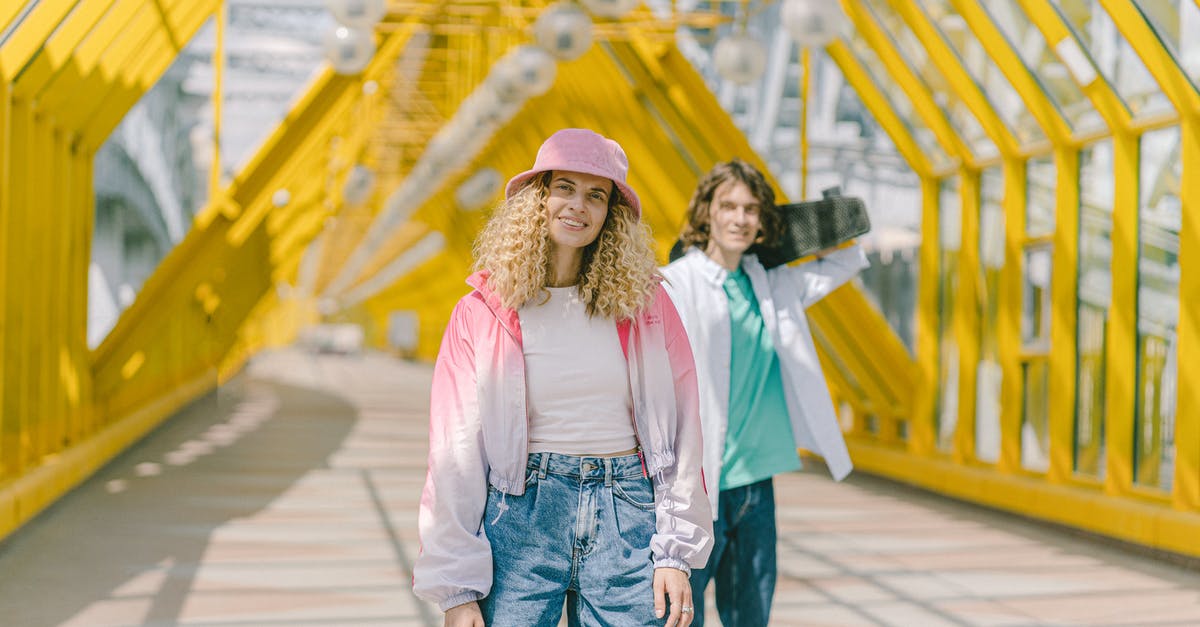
(57,52)
(918,93)
(169,31)
(1175,83)
(1121,337)
(1039,104)
(957,77)
(1159,61)
(654,116)
(82,72)
(879,106)
(25,41)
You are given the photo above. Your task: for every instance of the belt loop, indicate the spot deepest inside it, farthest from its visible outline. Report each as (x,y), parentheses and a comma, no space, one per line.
(608,472)
(544,464)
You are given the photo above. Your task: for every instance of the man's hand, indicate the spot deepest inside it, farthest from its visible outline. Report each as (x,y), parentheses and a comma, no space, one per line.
(465,615)
(673,583)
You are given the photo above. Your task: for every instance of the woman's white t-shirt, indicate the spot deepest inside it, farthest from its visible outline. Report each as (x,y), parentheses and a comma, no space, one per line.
(576,379)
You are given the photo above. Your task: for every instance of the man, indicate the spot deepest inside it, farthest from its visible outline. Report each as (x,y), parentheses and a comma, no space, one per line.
(762,392)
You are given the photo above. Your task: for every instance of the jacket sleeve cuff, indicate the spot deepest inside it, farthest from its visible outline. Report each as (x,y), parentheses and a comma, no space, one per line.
(459,599)
(670,562)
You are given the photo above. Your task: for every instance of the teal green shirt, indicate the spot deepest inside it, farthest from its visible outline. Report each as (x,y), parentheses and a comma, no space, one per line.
(759,443)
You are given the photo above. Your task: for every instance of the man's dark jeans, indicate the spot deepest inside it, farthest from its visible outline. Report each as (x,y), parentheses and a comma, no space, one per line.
(743,561)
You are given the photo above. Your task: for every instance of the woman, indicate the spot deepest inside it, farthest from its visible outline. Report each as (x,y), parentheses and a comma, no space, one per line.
(565,452)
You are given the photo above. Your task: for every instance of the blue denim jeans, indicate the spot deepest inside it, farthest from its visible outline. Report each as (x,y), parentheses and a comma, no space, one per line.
(743,561)
(580,535)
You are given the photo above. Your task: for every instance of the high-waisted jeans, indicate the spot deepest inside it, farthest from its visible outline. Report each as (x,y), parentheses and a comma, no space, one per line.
(580,535)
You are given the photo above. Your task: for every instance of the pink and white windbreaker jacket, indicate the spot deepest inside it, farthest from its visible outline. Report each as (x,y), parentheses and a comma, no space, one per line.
(479,435)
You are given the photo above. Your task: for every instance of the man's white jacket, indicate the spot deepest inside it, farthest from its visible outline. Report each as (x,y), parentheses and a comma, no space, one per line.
(696,285)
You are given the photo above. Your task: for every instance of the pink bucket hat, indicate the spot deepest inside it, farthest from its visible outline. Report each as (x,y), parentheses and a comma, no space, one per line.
(581,150)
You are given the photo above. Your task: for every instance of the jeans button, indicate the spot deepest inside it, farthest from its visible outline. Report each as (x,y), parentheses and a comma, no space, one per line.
(588,466)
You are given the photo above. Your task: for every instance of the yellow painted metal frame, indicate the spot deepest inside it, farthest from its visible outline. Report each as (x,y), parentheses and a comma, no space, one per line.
(920,431)
(668,98)
(959,80)
(920,95)
(50,435)
(1186,100)
(1115,508)
(1122,322)
(65,410)
(1056,128)
(1008,330)
(1063,323)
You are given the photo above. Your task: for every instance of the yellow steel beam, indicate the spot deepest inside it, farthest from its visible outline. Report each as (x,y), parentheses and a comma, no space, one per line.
(102,401)
(8,11)
(16,415)
(894,63)
(966,316)
(650,80)
(82,198)
(881,109)
(874,354)
(60,47)
(1063,329)
(1159,61)
(805,88)
(1132,520)
(957,77)
(39,296)
(174,28)
(662,84)
(1078,62)
(26,40)
(923,423)
(8,437)
(1183,95)
(1186,493)
(1039,104)
(1010,311)
(1121,338)
(147,38)
(83,72)
(1121,366)
(268,171)
(1058,131)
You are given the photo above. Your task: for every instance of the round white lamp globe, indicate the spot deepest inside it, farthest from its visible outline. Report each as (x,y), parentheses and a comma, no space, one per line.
(813,23)
(613,9)
(478,189)
(504,82)
(564,31)
(740,58)
(349,50)
(525,72)
(357,13)
(359,183)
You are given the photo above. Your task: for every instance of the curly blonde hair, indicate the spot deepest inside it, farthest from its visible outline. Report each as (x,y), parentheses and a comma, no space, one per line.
(618,274)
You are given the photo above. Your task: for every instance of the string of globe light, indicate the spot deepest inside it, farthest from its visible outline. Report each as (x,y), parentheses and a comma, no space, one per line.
(561,32)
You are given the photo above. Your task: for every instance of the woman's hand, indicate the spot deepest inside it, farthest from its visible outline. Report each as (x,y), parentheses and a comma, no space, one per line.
(465,615)
(673,583)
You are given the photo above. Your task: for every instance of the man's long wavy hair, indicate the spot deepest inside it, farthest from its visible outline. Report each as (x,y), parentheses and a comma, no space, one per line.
(617,277)
(696,231)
